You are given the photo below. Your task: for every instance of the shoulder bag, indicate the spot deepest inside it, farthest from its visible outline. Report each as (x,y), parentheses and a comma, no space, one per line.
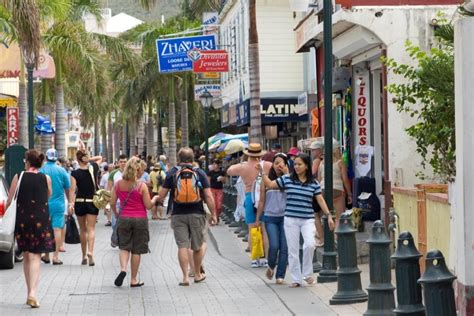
(7,222)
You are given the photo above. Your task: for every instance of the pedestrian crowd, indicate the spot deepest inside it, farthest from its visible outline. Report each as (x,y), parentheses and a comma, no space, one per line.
(279,196)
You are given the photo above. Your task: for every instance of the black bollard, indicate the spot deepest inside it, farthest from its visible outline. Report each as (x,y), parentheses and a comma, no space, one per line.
(407,271)
(381,299)
(349,286)
(240,227)
(437,284)
(245,230)
(328,271)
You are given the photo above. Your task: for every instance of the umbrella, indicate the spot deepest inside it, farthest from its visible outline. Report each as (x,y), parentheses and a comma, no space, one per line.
(242,137)
(213,139)
(233,146)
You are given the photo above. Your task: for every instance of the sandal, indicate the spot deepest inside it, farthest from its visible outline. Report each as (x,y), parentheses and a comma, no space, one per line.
(91,260)
(84,261)
(293,285)
(269,273)
(47,261)
(58,262)
(280,281)
(310,280)
(200,280)
(183,283)
(139,284)
(119,279)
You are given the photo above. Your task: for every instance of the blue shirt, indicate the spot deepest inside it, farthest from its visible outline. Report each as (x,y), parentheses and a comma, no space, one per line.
(299,196)
(60,181)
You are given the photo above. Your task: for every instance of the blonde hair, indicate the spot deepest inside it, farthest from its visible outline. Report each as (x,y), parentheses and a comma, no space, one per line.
(131,169)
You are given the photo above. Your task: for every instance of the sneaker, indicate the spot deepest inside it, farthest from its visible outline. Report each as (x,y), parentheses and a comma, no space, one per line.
(254,264)
(263,263)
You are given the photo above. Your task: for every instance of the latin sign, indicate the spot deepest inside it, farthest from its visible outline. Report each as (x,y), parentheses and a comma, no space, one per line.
(362,108)
(214,89)
(173,52)
(12,126)
(275,110)
(211,61)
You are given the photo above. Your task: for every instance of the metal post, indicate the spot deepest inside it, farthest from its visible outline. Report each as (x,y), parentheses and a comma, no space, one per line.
(127,140)
(206,135)
(159,147)
(328,273)
(31,135)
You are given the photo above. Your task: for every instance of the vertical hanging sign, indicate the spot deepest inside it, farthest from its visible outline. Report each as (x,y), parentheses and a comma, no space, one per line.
(361,107)
(12,126)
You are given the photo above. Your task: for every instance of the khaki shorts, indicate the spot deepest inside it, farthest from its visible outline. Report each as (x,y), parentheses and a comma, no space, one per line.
(133,234)
(190,230)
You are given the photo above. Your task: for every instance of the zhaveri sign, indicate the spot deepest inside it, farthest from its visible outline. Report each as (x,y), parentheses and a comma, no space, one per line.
(173,52)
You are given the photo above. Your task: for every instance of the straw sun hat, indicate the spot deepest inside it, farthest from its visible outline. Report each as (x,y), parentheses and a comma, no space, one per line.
(254,150)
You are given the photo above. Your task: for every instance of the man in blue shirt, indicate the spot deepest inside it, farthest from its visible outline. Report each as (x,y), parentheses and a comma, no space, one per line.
(57,204)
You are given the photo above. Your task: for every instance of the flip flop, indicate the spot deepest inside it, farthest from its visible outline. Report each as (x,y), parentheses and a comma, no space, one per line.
(269,274)
(200,280)
(119,279)
(59,262)
(310,280)
(294,285)
(45,260)
(183,283)
(139,284)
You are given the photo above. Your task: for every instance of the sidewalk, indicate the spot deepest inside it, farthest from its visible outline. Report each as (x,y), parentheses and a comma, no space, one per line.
(317,297)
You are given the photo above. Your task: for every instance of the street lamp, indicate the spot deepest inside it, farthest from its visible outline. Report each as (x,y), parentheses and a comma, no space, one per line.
(206,101)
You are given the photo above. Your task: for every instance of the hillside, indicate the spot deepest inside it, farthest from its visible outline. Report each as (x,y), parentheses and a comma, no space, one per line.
(168,8)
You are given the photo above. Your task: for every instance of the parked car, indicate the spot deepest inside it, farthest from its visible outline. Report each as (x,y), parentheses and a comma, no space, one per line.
(7,242)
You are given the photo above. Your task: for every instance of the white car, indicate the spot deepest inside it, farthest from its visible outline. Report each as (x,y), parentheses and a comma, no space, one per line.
(7,242)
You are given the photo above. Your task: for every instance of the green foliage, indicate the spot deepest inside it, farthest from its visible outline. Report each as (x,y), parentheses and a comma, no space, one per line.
(427,95)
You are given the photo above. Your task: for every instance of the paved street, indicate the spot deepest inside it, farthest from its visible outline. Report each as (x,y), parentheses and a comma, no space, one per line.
(231,287)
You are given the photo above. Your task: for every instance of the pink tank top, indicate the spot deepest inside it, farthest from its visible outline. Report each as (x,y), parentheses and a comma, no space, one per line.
(134,206)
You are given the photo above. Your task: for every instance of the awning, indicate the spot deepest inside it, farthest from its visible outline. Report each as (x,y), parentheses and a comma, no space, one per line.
(349,38)
(7,101)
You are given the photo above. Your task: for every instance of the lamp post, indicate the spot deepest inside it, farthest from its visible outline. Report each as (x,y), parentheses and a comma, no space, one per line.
(31,134)
(206,101)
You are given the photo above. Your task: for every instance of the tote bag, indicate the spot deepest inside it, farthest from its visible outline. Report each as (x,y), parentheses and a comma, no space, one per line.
(257,243)
(72,233)
(7,222)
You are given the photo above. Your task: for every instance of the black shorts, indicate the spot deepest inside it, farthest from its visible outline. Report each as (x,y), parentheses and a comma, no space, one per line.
(84,208)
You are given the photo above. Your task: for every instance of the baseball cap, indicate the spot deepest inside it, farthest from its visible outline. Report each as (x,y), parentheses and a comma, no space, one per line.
(52,154)
(276,146)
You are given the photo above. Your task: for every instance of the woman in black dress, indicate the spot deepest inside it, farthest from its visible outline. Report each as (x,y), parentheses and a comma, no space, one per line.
(33,230)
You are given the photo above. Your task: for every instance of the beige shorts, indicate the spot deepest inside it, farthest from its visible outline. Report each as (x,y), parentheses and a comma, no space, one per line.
(133,235)
(190,230)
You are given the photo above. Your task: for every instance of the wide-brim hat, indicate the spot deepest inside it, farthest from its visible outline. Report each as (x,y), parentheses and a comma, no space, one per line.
(254,150)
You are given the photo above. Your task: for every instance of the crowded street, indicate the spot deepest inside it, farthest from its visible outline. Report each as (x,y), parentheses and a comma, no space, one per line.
(231,287)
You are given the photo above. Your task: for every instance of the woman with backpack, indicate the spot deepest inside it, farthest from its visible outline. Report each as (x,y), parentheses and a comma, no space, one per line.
(301,189)
(132,221)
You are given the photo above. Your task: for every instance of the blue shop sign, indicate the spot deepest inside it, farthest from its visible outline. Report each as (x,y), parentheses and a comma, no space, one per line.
(275,110)
(225,115)
(173,52)
(243,113)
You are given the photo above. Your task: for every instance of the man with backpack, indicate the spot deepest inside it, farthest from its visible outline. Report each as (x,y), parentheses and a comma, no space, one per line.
(189,187)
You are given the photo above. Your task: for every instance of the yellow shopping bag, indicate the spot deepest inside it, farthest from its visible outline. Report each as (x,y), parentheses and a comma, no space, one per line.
(257,243)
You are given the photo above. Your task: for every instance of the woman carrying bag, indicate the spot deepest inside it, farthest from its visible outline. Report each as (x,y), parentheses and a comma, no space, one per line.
(33,231)
(132,221)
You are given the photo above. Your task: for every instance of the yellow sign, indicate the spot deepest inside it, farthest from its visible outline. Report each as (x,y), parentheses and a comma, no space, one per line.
(210,75)
(8,103)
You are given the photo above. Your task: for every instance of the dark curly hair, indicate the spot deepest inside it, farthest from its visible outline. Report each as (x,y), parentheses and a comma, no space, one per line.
(34,158)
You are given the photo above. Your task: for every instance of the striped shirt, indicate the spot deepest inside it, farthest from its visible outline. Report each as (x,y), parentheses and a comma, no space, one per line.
(299,196)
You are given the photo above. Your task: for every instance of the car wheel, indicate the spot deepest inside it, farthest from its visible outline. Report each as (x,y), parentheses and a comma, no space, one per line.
(7,259)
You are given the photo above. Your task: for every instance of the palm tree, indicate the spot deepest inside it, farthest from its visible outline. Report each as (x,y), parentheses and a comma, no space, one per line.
(255,135)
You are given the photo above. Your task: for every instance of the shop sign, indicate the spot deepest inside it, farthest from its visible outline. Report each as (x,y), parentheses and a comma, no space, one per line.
(173,52)
(210,75)
(211,61)
(213,89)
(362,108)
(85,136)
(225,115)
(210,21)
(275,110)
(12,126)
(8,103)
(243,113)
(303,104)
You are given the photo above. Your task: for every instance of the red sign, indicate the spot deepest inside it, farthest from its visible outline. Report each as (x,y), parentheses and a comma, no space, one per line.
(85,136)
(12,126)
(362,115)
(212,61)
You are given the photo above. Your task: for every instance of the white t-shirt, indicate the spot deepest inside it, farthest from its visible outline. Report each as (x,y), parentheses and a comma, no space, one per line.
(103,180)
(117,177)
(364,159)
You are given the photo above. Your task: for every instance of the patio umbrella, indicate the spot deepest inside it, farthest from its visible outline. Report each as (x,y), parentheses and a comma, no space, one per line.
(232,146)
(213,139)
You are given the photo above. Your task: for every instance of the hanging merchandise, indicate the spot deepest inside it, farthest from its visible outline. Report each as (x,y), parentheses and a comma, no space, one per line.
(346,156)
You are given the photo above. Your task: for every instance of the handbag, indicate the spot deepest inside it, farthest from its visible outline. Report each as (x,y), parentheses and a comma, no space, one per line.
(114,239)
(72,233)
(257,243)
(7,222)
